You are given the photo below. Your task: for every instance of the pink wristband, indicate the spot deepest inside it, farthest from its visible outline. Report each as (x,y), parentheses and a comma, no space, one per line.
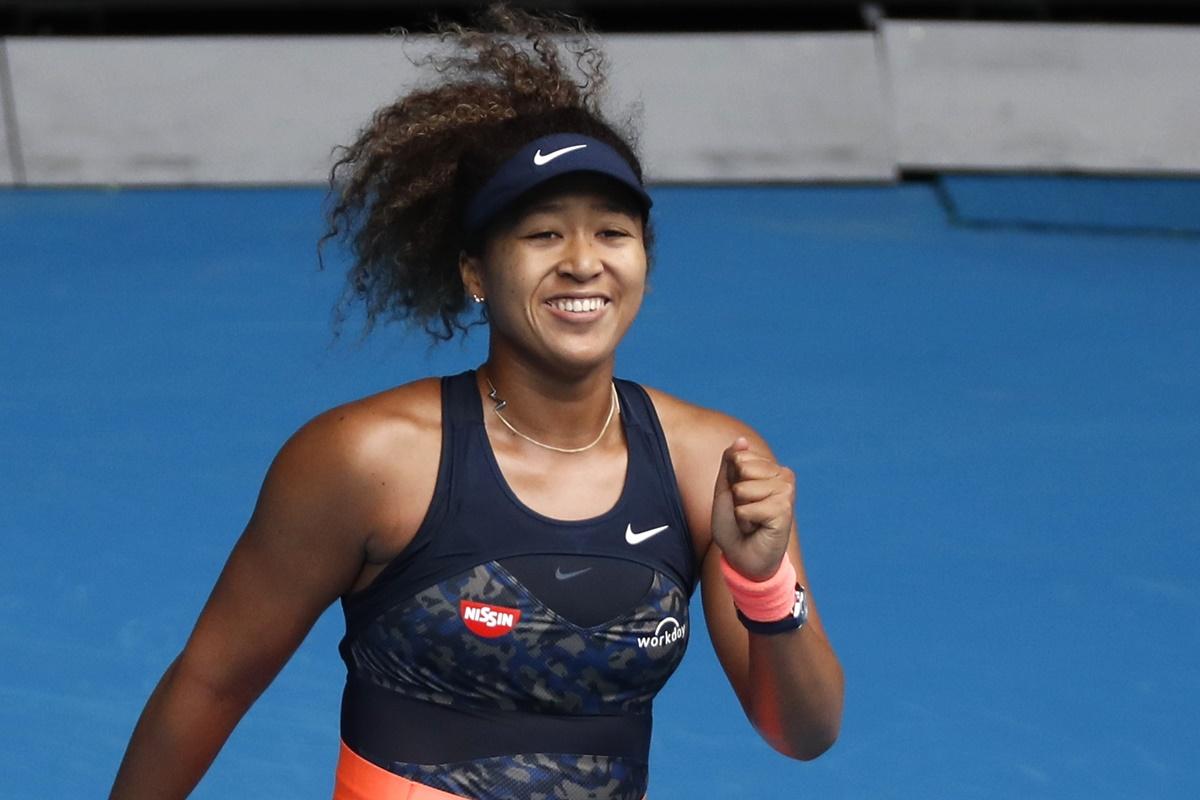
(762,601)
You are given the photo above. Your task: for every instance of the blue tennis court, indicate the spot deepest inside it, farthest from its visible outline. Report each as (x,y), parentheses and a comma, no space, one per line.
(988,387)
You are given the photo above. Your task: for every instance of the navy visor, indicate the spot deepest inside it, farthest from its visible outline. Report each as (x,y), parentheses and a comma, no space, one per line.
(541,160)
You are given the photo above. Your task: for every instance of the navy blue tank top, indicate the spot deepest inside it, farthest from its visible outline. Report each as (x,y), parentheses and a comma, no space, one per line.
(506,654)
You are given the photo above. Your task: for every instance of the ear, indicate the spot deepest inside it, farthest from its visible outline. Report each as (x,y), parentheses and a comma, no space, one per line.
(470,268)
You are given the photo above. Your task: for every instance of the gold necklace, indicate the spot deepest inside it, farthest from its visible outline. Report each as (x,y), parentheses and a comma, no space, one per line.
(500,404)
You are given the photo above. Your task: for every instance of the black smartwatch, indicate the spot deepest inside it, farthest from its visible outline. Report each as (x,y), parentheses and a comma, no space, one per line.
(793,621)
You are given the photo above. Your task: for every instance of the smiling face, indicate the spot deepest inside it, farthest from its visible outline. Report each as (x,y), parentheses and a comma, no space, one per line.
(563,274)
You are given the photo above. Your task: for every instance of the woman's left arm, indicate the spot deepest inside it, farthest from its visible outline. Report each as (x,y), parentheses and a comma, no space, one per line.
(790,684)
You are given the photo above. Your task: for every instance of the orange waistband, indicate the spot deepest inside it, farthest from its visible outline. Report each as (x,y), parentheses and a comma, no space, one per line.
(359,779)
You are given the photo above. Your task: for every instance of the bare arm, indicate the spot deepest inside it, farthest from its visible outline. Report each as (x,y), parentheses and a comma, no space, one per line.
(303,547)
(790,685)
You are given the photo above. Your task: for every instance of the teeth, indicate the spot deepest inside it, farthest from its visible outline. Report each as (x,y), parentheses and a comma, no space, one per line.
(578,305)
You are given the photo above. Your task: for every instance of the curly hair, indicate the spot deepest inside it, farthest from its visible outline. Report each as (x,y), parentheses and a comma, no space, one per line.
(402,187)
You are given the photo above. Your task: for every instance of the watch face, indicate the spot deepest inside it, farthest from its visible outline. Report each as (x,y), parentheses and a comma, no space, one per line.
(800,607)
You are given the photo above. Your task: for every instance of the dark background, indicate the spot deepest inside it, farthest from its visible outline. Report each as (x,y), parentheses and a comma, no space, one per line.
(183,17)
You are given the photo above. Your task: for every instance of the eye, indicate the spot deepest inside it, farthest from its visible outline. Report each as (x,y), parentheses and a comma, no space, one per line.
(614,233)
(541,235)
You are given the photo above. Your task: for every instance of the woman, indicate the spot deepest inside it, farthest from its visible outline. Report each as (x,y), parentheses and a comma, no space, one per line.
(514,547)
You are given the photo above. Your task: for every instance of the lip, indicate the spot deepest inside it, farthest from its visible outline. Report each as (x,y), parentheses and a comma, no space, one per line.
(576,317)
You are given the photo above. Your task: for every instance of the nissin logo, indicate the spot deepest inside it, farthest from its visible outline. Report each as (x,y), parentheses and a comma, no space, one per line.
(486,620)
(668,631)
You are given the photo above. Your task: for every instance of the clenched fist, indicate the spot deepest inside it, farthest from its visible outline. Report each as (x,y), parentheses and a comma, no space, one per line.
(752,510)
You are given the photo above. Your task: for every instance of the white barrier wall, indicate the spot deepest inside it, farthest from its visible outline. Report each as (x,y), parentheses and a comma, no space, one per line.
(763,107)
(1104,98)
(269,110)
(204,110)
(719,107)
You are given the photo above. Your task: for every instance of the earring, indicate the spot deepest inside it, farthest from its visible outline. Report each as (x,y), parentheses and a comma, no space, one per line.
(477,298)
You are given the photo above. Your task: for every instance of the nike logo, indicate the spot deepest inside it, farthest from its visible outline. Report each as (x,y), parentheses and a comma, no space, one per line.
(542,160)
(638,538)
(566,576)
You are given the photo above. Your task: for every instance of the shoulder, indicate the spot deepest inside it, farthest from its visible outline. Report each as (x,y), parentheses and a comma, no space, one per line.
(697,438)
(361,451)
(696,433)
(362,432)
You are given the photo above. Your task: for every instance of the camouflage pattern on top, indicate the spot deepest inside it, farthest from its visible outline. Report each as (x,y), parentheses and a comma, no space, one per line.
(537,776)
(422,649)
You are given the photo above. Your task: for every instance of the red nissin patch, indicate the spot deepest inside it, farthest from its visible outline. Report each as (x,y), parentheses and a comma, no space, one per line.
(486,620)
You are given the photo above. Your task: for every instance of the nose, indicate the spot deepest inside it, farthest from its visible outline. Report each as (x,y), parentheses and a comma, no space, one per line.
(580,261)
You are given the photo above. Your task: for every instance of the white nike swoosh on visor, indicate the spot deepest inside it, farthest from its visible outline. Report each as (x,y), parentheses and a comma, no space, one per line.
(542,160)
(638,538)
(566,576)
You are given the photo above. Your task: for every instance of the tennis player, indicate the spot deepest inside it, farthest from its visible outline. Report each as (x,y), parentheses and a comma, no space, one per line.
(514,546)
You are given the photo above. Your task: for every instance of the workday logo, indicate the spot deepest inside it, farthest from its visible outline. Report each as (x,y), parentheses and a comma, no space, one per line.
(668,632)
